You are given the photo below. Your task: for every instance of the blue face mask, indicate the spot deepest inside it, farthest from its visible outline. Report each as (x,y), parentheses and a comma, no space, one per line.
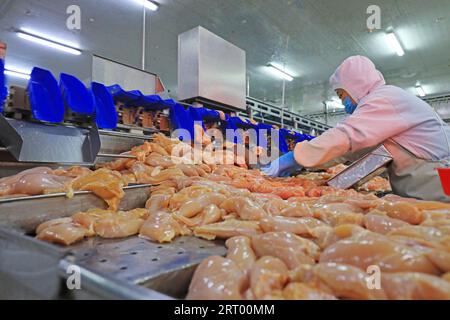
(350,107)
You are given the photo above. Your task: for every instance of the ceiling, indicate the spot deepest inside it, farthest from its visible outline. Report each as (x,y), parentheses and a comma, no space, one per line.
(311,37)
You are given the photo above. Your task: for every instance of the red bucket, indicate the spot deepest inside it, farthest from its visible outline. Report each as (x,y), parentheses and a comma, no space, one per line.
(444,175)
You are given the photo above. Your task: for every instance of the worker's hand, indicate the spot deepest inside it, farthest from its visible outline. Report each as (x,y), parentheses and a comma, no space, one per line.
(222,115)
(283,166)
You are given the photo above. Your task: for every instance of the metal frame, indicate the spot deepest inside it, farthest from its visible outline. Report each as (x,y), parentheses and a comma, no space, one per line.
(267,113)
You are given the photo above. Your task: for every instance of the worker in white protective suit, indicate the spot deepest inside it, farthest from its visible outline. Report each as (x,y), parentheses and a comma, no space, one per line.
(408,127)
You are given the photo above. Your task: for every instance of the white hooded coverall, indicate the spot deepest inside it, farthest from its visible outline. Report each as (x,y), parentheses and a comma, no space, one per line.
(406,125)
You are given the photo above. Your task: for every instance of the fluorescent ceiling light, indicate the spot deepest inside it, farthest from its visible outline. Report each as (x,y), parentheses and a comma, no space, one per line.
(420,91)
(17,74)
(48,43)
(393,42)
(280,73)
(149,4)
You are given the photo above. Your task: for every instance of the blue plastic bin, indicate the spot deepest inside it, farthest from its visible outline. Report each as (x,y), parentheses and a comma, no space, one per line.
(126,97)
(105,111)
(3,89)
(76,96)
(45,97)
(181,119)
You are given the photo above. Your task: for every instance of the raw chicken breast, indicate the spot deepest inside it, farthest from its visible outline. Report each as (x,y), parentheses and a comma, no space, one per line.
(158,202)
(382,224)
(53,222)
(342,281)
(240,251)
(89,218)
(104,183)
(298,226)
(210,214)
(302,291)
(347,281)
(367,248)
(217,278)
(268,274)
(336,214)
(197,205)
(65,234)
(119,225)
(415,286)
(227,229)
(162,227)
(288,247)
(405,211)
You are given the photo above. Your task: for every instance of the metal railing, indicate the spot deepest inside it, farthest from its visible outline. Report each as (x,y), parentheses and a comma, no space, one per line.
(267,113)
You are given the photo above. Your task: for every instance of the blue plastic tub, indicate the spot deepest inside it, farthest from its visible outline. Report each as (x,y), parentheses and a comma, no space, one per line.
(45,98)
(181,119)
(3,89)
(155,103)
(105,111)
(76,96)
(126,97)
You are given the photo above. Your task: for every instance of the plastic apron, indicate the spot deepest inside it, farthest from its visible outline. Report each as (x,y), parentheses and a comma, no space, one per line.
(413,177)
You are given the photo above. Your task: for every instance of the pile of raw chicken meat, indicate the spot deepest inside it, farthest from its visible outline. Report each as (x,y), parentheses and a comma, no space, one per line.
(290,238)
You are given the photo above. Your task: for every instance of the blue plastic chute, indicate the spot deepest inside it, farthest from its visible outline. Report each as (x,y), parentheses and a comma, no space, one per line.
(3,89)
(282,141)
(126,97)
(135,98)
(45,97)
(180,118)
(263,130)
(236,123)
(76,95)
(155,103)
(105,111)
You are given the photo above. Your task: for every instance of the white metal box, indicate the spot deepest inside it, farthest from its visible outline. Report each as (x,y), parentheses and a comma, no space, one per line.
(211,68)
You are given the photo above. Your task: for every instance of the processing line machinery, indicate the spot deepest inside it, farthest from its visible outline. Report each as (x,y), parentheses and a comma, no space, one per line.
(130,268)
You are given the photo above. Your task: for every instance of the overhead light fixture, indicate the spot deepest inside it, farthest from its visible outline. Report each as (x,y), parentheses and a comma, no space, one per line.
(420,91)
(393,42)
(279,72)
(48,43)
(17,74)
(153,6)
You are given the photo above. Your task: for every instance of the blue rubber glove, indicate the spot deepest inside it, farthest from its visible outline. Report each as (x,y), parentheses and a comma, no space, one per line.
(283,166)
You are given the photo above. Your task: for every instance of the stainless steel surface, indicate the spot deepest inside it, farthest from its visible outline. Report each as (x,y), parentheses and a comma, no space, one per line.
(131,268)
(123,134)
(103,286)
(212,68)
(109,72)
(35,142)
(113,142)
(362,170)
(28,268)
(26,213)
(144,35)
(116,156)
(166,268)
(32,269)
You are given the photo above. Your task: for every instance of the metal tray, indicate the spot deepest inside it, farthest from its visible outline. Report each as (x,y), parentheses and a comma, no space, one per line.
(131,268)
(362,170)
